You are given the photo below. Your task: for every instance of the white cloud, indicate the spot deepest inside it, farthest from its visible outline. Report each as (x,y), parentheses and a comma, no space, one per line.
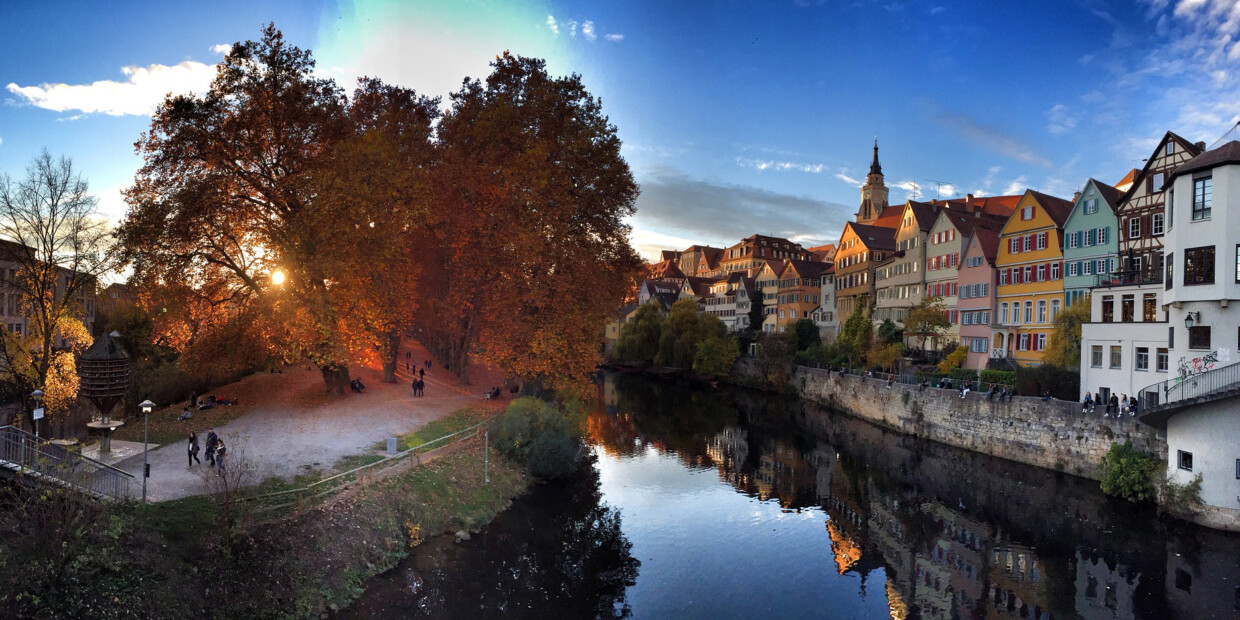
(614,37)
(946,190)
(555,28)
(572,28)
(843,176)
(222,48)
(782,166)
(139,95)
(1017,186)
(587,30)
(1061,121)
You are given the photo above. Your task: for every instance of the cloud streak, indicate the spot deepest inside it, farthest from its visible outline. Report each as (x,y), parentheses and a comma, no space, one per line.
(780,166)
(716,212)
(139,95)
(993,139)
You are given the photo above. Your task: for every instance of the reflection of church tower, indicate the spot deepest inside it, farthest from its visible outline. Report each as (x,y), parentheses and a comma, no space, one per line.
(874,193)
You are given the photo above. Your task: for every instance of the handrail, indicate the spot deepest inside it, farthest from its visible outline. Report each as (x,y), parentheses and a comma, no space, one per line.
(322,488)
(31,455)
(1190,386)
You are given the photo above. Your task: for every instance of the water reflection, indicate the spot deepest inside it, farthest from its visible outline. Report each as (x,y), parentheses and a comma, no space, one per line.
(938,532)
(557,553)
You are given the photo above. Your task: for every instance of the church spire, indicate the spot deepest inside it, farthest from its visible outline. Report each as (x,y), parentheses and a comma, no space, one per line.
(874,167)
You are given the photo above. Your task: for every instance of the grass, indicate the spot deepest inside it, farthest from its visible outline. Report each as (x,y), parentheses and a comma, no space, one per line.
(451,423)
(182,522)
(165,428)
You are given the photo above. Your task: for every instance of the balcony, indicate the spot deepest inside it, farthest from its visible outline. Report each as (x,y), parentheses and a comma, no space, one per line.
(1128,278)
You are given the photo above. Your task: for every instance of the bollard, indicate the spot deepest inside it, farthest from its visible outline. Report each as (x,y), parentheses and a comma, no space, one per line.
(391,446)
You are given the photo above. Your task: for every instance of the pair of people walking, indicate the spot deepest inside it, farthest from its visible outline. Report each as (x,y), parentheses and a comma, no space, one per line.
(418,387)
(215,450)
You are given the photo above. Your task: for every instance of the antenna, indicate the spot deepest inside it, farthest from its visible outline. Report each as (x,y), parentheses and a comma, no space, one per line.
(916,189)
(938,185)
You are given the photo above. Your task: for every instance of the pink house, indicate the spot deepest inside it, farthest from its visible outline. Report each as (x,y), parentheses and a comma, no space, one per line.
(976,298)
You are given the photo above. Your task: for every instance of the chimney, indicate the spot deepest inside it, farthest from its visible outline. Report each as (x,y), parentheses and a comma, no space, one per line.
(1076,196)
(1201,146)
(968,199)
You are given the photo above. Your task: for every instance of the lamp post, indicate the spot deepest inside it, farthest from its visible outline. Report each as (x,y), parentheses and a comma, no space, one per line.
(146,406)
(1189,319)
(37,414)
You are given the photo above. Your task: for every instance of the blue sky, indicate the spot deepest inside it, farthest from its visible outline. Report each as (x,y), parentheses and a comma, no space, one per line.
(737,117)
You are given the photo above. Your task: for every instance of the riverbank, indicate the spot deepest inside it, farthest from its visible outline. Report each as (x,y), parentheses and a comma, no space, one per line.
(1050,434)
(188,558)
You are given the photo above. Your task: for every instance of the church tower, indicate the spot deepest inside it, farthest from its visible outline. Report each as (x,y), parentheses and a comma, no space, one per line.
(873,193)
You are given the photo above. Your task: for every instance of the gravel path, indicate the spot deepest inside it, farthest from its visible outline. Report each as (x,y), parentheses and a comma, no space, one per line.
(295,426)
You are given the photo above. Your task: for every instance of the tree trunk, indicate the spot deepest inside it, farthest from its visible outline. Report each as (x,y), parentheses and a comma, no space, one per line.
(336,378)
(390,352)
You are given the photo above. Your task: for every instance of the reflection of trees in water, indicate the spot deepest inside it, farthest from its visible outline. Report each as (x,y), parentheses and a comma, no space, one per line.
(558,551)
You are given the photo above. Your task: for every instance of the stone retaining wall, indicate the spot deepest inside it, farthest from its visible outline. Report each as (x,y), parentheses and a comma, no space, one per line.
(1050,434)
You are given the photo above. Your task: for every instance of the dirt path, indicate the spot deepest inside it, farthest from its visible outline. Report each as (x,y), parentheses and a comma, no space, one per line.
(294,426)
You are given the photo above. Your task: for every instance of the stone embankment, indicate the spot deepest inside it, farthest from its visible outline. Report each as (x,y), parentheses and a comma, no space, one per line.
(1052,434)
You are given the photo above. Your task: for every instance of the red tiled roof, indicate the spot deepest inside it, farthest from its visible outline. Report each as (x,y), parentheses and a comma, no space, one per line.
(1057,208)
(889,218)
(989,239)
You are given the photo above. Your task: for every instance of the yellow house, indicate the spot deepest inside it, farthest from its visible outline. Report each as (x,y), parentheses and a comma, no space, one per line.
(1030,266)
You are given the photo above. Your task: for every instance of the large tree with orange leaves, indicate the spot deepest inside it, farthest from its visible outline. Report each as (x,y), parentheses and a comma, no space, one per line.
(533,195)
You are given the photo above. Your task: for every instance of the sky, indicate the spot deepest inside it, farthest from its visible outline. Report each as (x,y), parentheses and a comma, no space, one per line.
(736,117)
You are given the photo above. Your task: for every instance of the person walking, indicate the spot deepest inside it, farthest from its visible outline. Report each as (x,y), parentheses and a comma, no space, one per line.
(193,449)
(421,388)
(421,373)
(213,441)
(220,451)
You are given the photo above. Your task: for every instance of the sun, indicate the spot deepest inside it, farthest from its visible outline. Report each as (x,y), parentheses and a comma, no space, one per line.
(277,277)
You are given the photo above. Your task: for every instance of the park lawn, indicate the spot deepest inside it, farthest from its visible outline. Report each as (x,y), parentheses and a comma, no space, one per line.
(451,423)
(165,428)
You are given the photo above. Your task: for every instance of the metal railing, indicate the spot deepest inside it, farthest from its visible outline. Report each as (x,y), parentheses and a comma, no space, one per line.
(1214,382)
(26,454)
(1128,278)
(317,492)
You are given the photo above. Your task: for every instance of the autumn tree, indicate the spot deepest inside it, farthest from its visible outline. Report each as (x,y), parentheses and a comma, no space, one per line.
(1064,347)
(757,311)
(856,336)
(927,320)
(533,194)
(58,246)
(227,196)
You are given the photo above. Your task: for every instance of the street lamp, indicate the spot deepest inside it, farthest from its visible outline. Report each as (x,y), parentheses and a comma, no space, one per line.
(1189,319)
(147,406)
(37,414)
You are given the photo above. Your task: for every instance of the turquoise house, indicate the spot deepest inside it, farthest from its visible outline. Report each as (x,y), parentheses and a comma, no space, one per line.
(1091,240)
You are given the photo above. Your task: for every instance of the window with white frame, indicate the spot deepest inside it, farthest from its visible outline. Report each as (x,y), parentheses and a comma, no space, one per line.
(1003,313)
(1026,213)
(1091,206)
(1102,235)
(1028,312)
(1156,224)
(1042,311)
(1041,342)
(1073,269)
(1134,227)
(1072,240)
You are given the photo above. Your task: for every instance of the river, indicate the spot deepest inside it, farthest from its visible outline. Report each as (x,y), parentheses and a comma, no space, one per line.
(700,503)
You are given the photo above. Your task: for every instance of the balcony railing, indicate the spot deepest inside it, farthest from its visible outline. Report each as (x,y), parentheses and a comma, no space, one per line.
(1185,389)
(1128,278)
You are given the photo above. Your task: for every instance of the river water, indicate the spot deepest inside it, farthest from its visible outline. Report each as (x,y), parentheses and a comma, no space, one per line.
(700,503)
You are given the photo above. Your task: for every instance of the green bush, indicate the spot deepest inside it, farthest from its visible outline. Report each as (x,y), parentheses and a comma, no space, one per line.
(1006,377)
(1129,473)
(963,374)
(539,434)
(1038,380)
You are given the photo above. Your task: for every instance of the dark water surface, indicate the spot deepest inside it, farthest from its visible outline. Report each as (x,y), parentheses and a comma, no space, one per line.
(736,504)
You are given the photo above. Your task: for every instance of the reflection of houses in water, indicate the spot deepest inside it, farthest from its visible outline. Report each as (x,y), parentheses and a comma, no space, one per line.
(1103,592)
(950,579)
(1017,583)
(782,471)
(1203,576)
(729,449)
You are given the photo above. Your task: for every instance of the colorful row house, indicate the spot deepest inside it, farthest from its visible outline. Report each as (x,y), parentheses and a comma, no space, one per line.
(1091,245)
(1030,267)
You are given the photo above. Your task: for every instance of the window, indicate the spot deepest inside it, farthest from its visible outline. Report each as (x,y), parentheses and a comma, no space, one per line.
(1185,462)
(1041,273)
(1171,272)
(1237,263)
(1117,356)
(1022,343)
(1054,309)
(1041,342)
(1026,213)
(1095,356)
(1156,182)
(1072,240)
(1042,311)
(1199,337)
(1091,206)
(1199,266)
(1028,312)
(1041,241)
(1156,227)
(1027,243)
(1162,361)
(1003,314)
(1203,197)
(1108,308)
(1127,307)
(1149,308)
(1170,337)
(1134,227)
(1073,269)
(1170,148)
(1054,271)
(1143,358)
(1103,234)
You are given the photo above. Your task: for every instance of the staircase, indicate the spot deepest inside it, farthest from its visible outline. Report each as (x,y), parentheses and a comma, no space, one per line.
(1160,400)
(26,455)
